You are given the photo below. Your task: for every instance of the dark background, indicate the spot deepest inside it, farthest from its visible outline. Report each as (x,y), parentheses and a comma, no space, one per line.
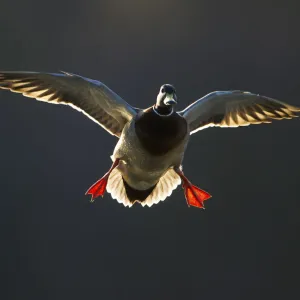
(57,245)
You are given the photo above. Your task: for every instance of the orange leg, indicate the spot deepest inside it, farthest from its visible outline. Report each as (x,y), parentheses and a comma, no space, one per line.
(193,195)
(99,187)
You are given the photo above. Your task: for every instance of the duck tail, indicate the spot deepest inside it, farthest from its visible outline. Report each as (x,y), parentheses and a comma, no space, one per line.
(125,194)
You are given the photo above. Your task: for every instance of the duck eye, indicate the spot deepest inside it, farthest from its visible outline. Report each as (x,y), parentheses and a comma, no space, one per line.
(163,90)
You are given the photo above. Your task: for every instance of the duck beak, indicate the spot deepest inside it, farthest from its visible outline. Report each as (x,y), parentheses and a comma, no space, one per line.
(170,100)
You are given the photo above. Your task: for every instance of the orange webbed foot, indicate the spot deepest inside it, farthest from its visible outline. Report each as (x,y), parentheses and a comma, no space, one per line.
(99,188)
(194,196)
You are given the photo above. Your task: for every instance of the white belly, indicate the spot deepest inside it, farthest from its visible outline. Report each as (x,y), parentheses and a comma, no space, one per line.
(140,169)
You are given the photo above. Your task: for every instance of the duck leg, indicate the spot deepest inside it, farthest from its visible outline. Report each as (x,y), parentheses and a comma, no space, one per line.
(193,195)
(99,187)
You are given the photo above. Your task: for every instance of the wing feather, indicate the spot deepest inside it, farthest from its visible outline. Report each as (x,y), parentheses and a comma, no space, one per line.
(91,97)
(234,109)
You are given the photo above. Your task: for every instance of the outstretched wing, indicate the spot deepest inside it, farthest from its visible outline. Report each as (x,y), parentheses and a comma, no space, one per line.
(235,108)
(91,97)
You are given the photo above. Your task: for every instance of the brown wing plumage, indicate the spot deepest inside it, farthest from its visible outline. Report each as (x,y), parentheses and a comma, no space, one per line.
(91,97)
(234,109)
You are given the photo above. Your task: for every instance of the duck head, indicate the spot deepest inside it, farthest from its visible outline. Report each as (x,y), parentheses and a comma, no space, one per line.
(166,100)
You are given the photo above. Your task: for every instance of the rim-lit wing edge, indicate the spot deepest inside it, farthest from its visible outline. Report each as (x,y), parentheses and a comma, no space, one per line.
(91,97)
(234,109)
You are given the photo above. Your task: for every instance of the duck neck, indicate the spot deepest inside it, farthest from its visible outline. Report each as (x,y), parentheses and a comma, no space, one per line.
(163,110)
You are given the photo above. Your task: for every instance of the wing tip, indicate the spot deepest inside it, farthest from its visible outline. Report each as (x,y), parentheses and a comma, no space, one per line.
(294,108)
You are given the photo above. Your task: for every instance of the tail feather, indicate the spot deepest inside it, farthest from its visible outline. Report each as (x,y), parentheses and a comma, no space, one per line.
(164,188)
(126,195)
(116,188)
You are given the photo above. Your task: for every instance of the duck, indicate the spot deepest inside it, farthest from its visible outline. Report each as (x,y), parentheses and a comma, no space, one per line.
(147,159)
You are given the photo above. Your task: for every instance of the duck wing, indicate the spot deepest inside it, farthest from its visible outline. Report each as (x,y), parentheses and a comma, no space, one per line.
(88,96)
(234,109)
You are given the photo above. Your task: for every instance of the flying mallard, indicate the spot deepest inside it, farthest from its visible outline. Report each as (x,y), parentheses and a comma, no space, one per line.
(147,160)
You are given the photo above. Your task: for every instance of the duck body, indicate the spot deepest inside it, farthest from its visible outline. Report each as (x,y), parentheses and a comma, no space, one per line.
(150,144)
